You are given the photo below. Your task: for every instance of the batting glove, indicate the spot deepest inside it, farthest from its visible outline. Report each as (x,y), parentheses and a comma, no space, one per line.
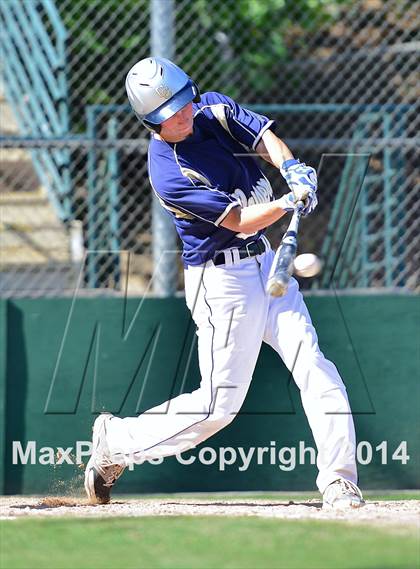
(302,180)
(287,202)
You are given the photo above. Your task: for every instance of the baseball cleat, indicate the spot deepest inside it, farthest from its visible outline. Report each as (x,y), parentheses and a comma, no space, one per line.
(342,494)
(101,473)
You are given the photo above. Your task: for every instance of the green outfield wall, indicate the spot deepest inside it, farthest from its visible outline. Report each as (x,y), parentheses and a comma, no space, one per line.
(62,361)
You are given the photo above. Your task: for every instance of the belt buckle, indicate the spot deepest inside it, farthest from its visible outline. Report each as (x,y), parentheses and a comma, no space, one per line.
(249,253)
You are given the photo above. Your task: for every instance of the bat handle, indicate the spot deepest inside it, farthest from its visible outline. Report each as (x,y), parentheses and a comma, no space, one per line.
(294,222)
(299,207)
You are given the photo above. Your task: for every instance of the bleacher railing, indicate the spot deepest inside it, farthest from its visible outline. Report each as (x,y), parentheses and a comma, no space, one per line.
(34,65)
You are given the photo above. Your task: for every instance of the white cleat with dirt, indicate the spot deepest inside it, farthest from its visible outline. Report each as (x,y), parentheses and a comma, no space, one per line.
(342,495)
(101,473)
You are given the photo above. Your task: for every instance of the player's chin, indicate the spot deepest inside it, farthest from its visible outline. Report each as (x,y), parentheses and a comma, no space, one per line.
(185,133)
(188,127)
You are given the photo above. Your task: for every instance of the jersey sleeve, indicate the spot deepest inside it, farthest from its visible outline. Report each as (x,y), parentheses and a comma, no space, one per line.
(187,198)
(246,126)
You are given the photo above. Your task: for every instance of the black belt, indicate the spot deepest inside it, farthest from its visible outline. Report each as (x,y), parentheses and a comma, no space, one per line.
(250,250)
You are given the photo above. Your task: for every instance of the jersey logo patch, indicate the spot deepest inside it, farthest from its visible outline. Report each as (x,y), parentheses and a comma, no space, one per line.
(261,192)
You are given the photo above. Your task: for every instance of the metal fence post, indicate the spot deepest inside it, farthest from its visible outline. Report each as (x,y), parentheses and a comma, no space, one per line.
(93,193)
(114,202)
(163,230)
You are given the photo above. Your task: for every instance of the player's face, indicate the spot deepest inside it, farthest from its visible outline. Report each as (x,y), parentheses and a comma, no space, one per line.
(179,126)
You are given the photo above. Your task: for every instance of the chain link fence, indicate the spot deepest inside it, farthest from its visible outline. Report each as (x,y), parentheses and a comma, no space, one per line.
(340,78)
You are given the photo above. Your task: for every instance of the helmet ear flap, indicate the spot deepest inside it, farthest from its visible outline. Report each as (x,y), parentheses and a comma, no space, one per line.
(150,126)
(197,98)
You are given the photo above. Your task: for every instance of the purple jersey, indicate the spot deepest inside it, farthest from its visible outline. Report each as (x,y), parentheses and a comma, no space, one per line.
(199,180)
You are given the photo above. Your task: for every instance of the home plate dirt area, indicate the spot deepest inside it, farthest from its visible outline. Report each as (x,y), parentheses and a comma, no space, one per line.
(402,513)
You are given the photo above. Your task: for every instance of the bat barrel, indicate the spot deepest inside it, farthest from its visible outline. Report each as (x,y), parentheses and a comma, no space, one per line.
(282,267)
(281,271)
(277,286)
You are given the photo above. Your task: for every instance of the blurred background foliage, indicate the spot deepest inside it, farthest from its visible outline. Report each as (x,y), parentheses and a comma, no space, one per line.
(105,40)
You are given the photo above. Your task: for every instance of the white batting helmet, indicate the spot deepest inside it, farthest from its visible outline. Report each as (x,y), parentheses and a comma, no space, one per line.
(157,89)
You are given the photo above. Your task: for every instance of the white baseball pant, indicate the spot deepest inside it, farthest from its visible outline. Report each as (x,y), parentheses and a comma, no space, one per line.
(233,315)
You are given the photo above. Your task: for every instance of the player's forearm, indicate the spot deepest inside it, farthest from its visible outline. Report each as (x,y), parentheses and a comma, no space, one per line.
(273,149)
(253,217)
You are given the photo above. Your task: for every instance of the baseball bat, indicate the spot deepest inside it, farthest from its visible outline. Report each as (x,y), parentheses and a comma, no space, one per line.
(282,266)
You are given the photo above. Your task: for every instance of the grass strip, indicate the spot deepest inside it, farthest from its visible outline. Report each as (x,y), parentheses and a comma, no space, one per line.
(201,542)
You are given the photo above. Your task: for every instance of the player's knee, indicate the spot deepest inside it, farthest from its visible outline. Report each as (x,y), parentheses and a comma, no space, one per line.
(319,378)
(218,420)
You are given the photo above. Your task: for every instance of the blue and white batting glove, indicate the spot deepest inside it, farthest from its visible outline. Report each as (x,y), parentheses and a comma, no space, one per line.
(287,202)
(302,180)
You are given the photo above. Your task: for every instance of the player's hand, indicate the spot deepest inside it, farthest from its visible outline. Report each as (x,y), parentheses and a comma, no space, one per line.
(309,203)
(302,181)
(287,202)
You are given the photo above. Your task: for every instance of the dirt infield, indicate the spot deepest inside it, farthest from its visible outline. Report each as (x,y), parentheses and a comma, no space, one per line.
(404,514)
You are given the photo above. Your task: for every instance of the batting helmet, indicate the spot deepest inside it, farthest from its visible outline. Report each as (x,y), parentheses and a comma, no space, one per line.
(157,89)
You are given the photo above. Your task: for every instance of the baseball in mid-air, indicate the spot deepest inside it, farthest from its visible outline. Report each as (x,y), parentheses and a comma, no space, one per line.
(307,265)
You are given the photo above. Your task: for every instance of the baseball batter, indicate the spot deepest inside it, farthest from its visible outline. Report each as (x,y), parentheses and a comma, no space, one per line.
(202,170)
